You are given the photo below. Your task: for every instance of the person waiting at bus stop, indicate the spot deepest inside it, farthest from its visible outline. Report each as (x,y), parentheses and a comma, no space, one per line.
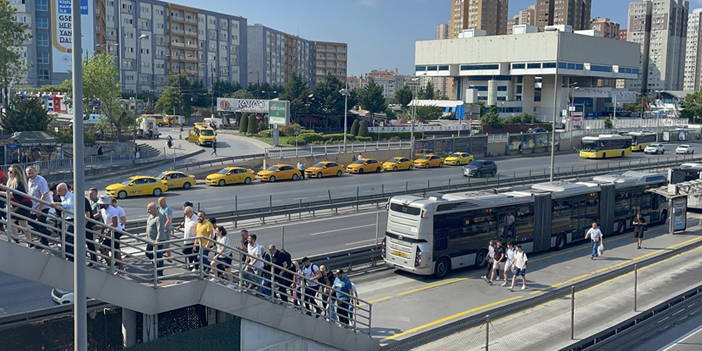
(639,228)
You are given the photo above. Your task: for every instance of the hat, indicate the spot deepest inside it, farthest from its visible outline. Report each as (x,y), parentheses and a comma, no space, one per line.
(339,271)
(104,200)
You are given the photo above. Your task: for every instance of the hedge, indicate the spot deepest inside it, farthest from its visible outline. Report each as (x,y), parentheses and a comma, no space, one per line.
(300,141)
(390,135)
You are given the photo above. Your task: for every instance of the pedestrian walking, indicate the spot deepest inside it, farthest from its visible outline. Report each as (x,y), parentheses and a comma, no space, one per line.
(500,259)
(254,264)
(205,230)
(99,150)
(189,227)
(167,212)
(222,260)
(155,231)
(327,290)
(510,252)
(280,259)
(360,157)
(313,274)
(297,284)
(519,266)
(343,288)
(136,151)
(110,217)
(39,188)
(301,168)
(639,228)
(244,243)
(508,226)
(21,204)
(214,148)
(595,236)
(490,260)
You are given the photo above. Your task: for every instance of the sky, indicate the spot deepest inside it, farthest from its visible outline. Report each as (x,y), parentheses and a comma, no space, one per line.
(380,33)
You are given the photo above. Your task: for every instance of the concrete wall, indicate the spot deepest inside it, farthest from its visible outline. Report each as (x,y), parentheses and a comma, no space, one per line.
(275,340)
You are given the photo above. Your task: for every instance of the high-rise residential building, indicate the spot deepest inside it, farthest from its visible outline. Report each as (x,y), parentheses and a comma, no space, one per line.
(275,55)
(575,13)
(623,34)
(527,15)
(487,15)
(691,79)
(511,23)
(660,27)
(330,58)
(442,31)
(607,28)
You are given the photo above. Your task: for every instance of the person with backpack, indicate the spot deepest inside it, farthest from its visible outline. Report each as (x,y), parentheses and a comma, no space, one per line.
(312,275)
(327,290)
(282,259)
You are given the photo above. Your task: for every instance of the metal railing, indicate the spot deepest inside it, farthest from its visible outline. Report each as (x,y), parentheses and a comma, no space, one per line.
(219,161)
(314,150)
(149,262)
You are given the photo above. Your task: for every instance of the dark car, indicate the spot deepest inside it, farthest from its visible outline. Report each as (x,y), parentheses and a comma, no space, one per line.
(480,168)
(537,130)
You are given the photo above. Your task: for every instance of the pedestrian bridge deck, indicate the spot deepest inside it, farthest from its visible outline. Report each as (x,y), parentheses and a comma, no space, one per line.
(405,305)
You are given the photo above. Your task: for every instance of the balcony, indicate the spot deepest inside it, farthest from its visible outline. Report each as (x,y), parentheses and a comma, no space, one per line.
(177,31)
(191,19)
(177,44)
(191,33)
(177,18)
(191,59)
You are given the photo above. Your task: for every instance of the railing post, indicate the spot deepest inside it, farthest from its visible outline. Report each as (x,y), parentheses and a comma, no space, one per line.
(241,270)
(330,198)
(377,227)
(236,205)
(63,231)
(112,251)
(282,237)
(154,248)
(406,187)
(270,203)
(449,182)
(382,190)
(572,312)
(299,213)
(636,283)
(487,332)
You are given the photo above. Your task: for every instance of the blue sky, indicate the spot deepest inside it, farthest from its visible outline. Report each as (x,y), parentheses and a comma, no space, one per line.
(380,33)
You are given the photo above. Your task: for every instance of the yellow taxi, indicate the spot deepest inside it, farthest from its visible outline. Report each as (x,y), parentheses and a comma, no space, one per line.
(459,158)
(137,186)
(325,169)
(397,164)
(204,135)
(231,175)
(175,179)
(364,165)
(279,172)
(429,160)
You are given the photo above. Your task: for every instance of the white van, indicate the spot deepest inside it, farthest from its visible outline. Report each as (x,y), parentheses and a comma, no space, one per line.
(218,122)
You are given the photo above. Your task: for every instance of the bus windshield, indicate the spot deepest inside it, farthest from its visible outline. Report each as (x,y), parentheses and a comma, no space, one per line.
(406,209)
(589,145)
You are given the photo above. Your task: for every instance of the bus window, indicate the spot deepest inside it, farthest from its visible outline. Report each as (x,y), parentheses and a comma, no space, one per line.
(441,240)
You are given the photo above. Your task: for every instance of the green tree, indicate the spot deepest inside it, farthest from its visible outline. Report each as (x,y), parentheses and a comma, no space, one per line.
(200,96)
(522,119)
(224,88)
(101,85)
(25,115)
(390,114)
(429,91)
(53,89)
(429,113)
(241,94)
(297,91)
(608,123)
(404,97)
(251,126)
(692,107)
(354,127)
(371,98)
(169,101)
(243,123)
(327,100)
(637,106)
(14,34)
(363,129)
(492,119)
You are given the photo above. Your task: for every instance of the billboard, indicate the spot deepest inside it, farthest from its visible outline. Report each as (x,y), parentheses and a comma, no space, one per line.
(279,112)
(61,35)
(242,105)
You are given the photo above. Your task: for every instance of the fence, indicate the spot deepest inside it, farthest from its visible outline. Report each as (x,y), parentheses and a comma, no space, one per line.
(313,150)
(113,250)
(220,161)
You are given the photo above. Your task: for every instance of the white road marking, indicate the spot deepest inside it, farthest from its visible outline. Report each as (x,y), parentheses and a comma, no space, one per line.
(342,229)
(360,242)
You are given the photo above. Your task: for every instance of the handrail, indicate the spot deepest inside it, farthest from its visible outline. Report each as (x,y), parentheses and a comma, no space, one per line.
(221,161)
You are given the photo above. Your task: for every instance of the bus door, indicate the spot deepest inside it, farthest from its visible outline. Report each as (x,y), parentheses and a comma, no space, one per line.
(579,219)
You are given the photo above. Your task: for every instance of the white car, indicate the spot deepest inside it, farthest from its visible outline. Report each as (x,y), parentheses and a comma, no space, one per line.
(62,297)
(654,148)
(684,149)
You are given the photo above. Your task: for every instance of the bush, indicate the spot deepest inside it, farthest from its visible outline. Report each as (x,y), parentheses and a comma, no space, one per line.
(363,139)
(310,138)
(391,135)
(243,123)
(300,141)
(252,125)
(306,131)
(395,138)
(354,127)
(265,133)
(363,129)
(289,130)
(65,136)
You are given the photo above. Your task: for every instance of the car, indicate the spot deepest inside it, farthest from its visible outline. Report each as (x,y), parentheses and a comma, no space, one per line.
(459,158)
(480,168)
(654,148)
(231,175)
(398,163)
(364,165)
(279,172)
(684,150)
(537,130)
(429,160)
(137,186)
(62,297)
(324,169)
(175,179)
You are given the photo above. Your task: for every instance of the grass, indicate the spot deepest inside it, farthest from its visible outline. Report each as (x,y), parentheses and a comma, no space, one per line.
(269,140)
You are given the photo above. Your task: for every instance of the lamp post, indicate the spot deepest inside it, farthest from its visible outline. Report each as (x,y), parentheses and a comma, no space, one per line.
(269,93)
(136,90)
(556,87)
(345,92)
(414,118)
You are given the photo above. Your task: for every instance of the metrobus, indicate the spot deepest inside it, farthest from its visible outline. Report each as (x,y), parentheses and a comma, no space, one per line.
(639,140)
(605,146)
(434,233)
(685,173)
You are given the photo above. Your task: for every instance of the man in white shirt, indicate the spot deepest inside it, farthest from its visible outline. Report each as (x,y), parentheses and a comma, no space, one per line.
(313,274)
(253,261)
(189,233)
(110,217)
(120,213)
(519,266)
(38,187)
(490,260)
(596,236)
(511,251)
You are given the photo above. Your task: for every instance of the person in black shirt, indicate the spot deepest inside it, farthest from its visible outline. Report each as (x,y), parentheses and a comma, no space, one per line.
(639,227)
(500,259)
(88,231)
(278,258)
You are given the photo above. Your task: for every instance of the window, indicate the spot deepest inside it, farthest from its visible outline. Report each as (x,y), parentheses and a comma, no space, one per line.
(42,40)
(43,22)
(431,68)
(571,66)
(549,65)
(518,66)
(42,5)
(502,88)
(43,74)
(579,66)
(596,68)
(562,65)
(421,68)
(478,67)
(42,57)
(534,65)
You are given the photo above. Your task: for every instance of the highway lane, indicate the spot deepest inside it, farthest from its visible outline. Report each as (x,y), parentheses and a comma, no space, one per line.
(255,195)
(20,295)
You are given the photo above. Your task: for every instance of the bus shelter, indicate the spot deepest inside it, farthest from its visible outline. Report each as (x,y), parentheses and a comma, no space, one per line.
(677,198)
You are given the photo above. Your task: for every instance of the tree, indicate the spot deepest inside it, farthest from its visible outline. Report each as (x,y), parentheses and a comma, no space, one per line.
(429,113)
(25,115)
(522,119)
(297,91)
(241,94)
(692,107)
(363,129)
(371,98)
(200,96)
(608,123)
(390,114)
(14,34)
(224,88)
(169,101)
(492,119)
(327,100)
(252,125)
(429,91)
(53,89)
(638,105)
(404,97)
(354,127)
(101,85)
(243,123)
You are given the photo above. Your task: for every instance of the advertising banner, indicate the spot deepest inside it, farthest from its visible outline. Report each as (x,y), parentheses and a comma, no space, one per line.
(680,214)
(61,35)
(278,112)
(242,105)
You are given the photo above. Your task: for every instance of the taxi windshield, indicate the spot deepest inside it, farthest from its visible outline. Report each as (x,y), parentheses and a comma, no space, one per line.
(319,165)
(456,155)
(426,157)
(394,159)
(162,175)
(360,162)
(223,171)
(207,132)
(126,182)
(273,168)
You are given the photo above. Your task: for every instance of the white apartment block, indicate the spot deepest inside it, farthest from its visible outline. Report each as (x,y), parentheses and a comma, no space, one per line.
(692,62)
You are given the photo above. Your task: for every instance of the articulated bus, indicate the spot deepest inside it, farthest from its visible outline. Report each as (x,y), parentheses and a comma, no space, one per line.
(435,233)
(639,140)
(604,146)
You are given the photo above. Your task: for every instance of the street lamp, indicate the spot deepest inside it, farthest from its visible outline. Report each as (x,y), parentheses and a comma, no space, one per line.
(414,118)
(556,87)
(136,90)
(345,92)
(269,93)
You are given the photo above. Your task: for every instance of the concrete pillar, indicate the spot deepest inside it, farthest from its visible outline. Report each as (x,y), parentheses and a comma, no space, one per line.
(150,329)
(129,323)
(223,317)
(492,93)
(528,94)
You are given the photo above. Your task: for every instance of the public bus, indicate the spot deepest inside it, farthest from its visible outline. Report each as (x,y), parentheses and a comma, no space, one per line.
(685,173)
(434,233)
(604,146)
(639,140)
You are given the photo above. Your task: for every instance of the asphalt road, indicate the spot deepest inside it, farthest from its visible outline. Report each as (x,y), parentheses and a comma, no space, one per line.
(256,194)
(20,295)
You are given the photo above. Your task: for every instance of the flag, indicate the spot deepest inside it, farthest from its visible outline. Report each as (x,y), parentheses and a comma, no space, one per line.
(643,103)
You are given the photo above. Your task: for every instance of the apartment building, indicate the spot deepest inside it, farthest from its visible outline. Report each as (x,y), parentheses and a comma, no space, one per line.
(274,55)
(487,15)
(330,57)
(527,15)
(660,27)
(606,27)
(623,34)
(575,13)
(691,76)
(511,23)
(442,31)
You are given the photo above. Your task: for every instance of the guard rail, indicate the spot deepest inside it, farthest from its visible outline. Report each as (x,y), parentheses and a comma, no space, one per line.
(312,150)
(220,161)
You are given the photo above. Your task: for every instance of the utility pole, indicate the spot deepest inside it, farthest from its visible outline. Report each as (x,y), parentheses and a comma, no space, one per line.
(556,87)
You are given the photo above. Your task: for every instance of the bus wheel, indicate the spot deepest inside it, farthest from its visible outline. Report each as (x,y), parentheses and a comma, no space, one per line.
(442,267)
(621,227)
(560,241)
(622,154)
(481,258)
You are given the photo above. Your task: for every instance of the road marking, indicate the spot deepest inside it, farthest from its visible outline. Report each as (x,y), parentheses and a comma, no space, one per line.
(573,250)
(638,258)
(447,282)
(445,319)
(342,229)
(308,221)
(360,242)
